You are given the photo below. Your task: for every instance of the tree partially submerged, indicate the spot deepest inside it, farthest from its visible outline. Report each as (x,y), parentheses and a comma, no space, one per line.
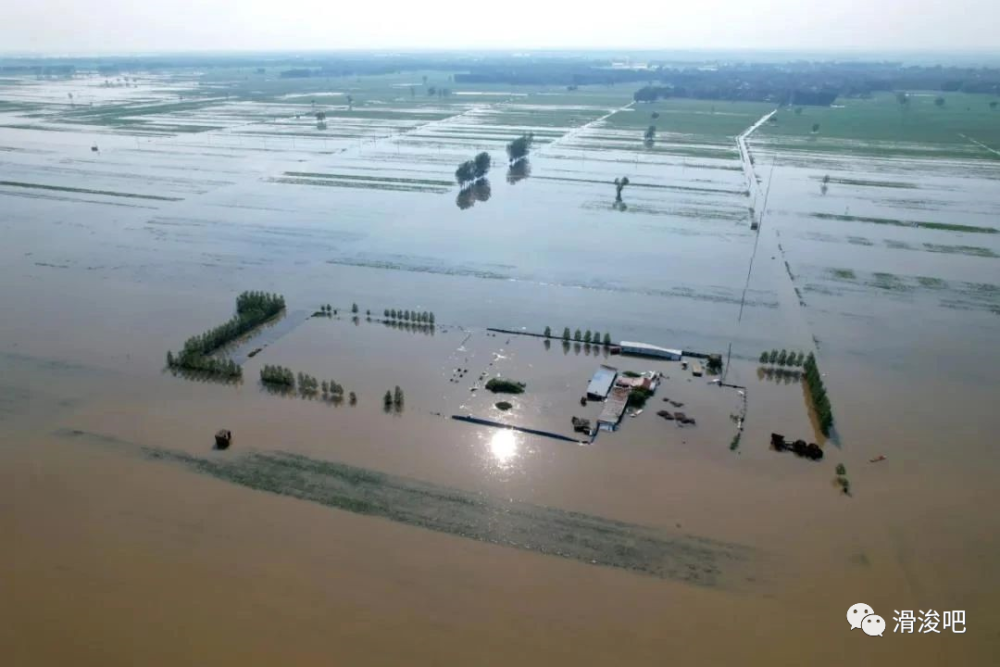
(519,148)
(277,375)
(620,184)
(505,386)
(472,171)
(482,164)
(817,393)
(252,310)
(465,173)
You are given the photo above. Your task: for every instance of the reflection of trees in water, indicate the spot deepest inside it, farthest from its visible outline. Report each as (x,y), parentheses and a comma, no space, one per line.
(518,171)
(587,348)
(412,327)
(203,376)
(478,191)
(778,375)
(620,206)
(465,199)
(284,391)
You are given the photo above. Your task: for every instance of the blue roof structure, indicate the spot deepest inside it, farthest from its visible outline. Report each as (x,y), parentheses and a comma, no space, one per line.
(601,383)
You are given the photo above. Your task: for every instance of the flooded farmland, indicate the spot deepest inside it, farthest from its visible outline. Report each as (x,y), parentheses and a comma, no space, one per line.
(133,215)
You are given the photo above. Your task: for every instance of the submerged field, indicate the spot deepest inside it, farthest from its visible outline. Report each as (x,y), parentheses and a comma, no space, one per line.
(878,251)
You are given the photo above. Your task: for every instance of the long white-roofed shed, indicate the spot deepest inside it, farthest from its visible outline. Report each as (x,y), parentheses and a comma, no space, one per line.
(647,350)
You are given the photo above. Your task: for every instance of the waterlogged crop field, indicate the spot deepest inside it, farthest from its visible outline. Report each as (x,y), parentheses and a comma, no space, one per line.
(136,206)
(886,216)
(227,171)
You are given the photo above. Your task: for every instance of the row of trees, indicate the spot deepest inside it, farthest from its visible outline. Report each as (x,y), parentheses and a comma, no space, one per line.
(588,337)
(335,391)
(266,303)
(519,148)
(277,375)
(783,358)
(307,384)
(417,317)
(471,171)
(332,388)
(327,310)
(226,368)
(252,310)
(817,392)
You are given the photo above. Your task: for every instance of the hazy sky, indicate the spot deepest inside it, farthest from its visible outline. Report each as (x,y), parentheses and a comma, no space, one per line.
(127,26)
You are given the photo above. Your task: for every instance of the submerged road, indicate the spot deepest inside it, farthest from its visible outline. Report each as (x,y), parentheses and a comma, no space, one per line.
(980,144)
(753,187)
(586,126)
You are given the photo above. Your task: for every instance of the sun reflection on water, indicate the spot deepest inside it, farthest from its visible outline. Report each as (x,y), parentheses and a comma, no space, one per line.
(503,446)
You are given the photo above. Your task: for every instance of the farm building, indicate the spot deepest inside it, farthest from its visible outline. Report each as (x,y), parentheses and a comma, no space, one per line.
(601,383)
(614,408)
(647,380)
(647,350)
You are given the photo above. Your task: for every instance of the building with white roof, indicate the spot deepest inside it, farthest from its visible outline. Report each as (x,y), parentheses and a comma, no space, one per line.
(647,350)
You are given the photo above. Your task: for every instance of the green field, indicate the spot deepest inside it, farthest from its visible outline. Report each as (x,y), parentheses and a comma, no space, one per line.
(883,126)
(712,121)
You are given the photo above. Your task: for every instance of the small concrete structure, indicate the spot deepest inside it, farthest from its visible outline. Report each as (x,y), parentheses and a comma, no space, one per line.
(601,383)
(647,350)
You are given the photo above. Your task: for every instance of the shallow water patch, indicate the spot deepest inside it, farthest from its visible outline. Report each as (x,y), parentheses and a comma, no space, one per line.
(941,226)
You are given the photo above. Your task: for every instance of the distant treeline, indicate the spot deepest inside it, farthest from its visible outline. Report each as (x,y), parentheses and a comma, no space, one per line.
(298,73)
(252,310)
(798,83)
(793,97)
(39,70)
(716,78)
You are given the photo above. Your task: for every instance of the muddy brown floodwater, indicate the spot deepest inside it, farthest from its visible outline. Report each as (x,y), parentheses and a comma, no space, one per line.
(348,533)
